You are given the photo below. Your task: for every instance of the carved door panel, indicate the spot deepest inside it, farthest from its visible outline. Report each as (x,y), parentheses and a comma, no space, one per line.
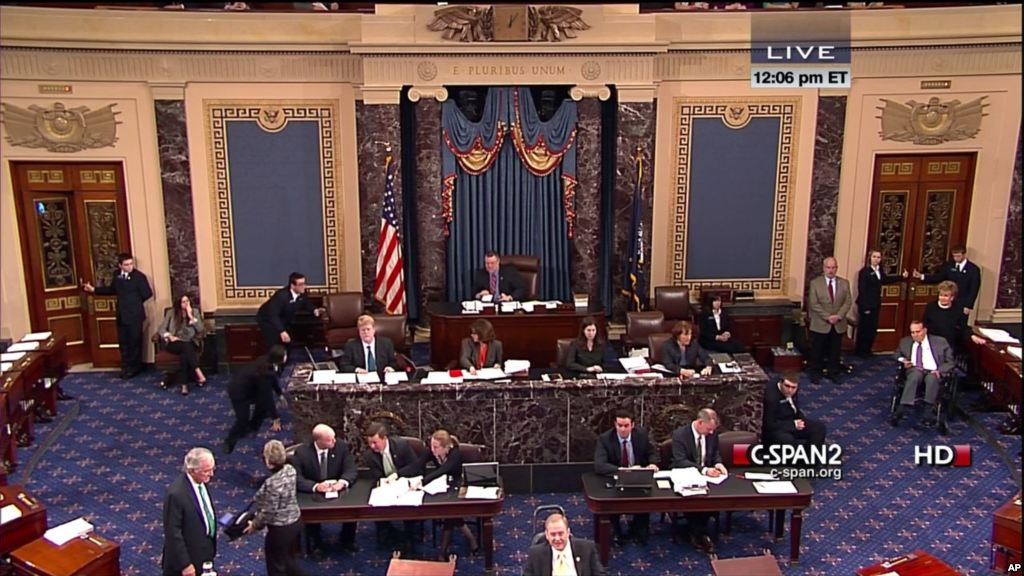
(920,206)
(73,222)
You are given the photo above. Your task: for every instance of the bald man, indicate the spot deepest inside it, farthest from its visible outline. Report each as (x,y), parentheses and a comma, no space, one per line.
(325,465)
(828,302)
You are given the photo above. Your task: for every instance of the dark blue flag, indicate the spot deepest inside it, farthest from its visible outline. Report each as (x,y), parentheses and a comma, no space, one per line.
(635,285)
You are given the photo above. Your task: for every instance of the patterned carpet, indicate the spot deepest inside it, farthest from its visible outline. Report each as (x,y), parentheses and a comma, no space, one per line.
(113,451)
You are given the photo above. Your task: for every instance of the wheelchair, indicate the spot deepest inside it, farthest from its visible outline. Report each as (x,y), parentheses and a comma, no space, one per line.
(945,403)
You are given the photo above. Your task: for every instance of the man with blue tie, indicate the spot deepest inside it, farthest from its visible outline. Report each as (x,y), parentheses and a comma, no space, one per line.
(924,358)
(498,283)
(625,446)
(369,352)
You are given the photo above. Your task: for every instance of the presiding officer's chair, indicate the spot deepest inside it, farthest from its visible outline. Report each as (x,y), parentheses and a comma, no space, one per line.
(674,303)
(529,269)
(343,310)
(640,325)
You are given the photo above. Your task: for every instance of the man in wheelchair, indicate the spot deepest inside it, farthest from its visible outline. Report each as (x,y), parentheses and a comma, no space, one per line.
(922,358)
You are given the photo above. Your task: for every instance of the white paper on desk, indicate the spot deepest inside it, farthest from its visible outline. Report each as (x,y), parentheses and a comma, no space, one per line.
(37,336)
(661,368)
(634,363)
(729,367)
(482,493)
(639,353)
(68,531)
(8,513)
(395,377)
(331,495)
(775,487)
(368,378)
(692,491)
(516,366)
(440,377)
(472,307)
(611,376)
(23,347)
(438,485)
(322,376)
(343,378)
(11,356)
(396,493)
(5,366)
(998,336)
(484,374)
(758,476)
(660,474)
(1014,351)
(687,478)
(715,479)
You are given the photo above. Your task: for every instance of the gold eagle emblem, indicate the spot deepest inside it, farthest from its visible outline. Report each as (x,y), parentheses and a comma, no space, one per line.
(475,24)
(60,129)
(933,122)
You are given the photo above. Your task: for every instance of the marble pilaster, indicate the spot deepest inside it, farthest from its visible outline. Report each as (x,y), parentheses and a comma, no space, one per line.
(828,156)
(172,139)
(586,254)
(1010,272)
(431,243)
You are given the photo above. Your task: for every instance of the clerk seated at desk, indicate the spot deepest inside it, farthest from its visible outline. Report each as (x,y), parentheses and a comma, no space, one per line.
(681,355)
(369,352)
(481,349)
(502,283)
(389,459)
(586,356)
(715,329)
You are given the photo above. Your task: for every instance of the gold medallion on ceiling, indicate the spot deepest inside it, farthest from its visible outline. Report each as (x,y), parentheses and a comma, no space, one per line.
(736,116)
(271,119)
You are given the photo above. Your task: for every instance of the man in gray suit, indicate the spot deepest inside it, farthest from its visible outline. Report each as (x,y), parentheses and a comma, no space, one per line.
(925,358)
(562,553)
(828,302)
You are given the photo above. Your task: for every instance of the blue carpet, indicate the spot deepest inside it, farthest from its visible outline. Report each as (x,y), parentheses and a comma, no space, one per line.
(118,454)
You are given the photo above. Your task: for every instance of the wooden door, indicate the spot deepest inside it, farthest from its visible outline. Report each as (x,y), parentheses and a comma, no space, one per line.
(919,210)
(73,223)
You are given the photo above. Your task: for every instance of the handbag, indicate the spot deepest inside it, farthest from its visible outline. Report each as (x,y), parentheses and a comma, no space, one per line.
(234,526)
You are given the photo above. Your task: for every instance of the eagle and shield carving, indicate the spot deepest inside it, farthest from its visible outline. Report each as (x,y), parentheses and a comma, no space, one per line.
(59,128)
(933,122)
(476,24)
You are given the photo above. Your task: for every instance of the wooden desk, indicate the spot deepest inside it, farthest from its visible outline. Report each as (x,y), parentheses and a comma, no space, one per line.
(31,524)
(17,387)
(1006,535)
(400,567)
(352,506)
(765,565)
(734,494)
(917,563)
(523,336)
(90,556)
(54,355)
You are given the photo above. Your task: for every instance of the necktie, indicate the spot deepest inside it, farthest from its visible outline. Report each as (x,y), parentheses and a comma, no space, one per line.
(124,275)
(483,355)
(831,292)
(919,356)
(625,455)
(371,362)
(700,452)
(792,405)
(494,283)
(323,465)
(207,512)
(562,566)
(389,465)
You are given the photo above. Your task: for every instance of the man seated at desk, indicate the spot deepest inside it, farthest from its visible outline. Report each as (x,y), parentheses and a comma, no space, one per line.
(562,554)
(682,356)
(502,283)
(625,446)
(369,352)
(783,422)
(389,459)
(325,465)
(696,446)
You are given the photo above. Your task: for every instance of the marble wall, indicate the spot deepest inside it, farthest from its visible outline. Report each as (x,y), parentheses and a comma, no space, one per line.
(432,253)
(172,139)
(636,125)
(828,156)
(376,125)
(1010,273)
(586,242)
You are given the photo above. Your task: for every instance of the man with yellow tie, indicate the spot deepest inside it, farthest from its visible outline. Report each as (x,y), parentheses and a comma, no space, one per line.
(561,554)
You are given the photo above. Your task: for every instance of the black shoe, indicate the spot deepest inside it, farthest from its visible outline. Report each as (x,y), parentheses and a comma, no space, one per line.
(896,416)
(229,447)
(42,418)
(61,395)
(124,374)
(703,543)
(929,421)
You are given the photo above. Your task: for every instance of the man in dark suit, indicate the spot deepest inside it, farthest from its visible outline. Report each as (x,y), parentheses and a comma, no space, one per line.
(253,393)
(190,525)
(321,466)
(783,422)
(276,315)
(696,446)
(503,283)
(966,275)
(132,290)
(562,553)
(368,353)
(625,446)
(828,302)
(716,329)
(924,358)
(389,459)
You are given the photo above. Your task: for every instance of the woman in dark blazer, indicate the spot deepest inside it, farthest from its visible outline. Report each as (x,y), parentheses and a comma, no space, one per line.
(179,334)
(447,461)
(481,349)
(682,356)
(715,329)
(587,353)
(869,300)
(276,507)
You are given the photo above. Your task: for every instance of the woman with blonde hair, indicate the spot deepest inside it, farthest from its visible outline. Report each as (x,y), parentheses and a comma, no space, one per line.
(447,461)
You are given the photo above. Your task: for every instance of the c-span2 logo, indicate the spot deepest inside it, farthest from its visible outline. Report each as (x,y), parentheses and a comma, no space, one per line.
(957,456)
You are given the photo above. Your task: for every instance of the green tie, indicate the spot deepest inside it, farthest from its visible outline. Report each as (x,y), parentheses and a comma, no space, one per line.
(211,525)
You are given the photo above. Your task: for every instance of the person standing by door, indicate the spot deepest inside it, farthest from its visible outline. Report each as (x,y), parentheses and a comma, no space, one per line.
(132,290)
(869,300)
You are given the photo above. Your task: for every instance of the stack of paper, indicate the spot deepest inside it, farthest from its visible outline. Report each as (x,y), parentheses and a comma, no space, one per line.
(441,377)
(395,377)
(5,366)
(438,486)
(11,356)
(729,368)
(322,376)
(509,307)
(68,531)
(37,336)
(8,513)
(635,364)
(397,493)
(516,366)
(482,493)
(368,378)
(472,307)
(485,374)
(611,376)
(775,487)
(23,347)
(998,336)
(1014,351)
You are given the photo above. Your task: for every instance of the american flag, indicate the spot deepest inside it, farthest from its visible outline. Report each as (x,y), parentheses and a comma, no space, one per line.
(389,286)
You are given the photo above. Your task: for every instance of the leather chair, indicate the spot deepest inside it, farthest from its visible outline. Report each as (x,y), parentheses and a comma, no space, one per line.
(563,351)
(640,325)
(417,445)
(529,269)
(674,303)
(654,344)
(396,329)
(169,364)
(343,309)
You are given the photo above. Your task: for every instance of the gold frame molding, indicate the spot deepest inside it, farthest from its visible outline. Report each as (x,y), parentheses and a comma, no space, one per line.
(735,112)
(216,113)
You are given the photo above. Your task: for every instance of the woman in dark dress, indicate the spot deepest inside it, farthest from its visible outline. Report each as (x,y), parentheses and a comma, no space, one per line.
(447,461)
(715,333)
(869,300)
(943,318)
(179,334)
(587,353)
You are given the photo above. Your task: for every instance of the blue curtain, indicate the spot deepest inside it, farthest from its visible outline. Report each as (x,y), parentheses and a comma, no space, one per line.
(509,184)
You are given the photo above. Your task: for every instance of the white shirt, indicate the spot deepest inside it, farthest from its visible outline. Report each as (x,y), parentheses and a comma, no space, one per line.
(718,319)
(927,358)
(629,449)
(199,498)
(878,273)
(698,439)
(787,398)
(295,295)
(961,265)
(570,565)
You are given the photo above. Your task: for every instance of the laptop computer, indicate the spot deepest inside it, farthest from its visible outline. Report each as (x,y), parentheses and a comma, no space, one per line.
(634,478)
(480,474)
(320,365)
